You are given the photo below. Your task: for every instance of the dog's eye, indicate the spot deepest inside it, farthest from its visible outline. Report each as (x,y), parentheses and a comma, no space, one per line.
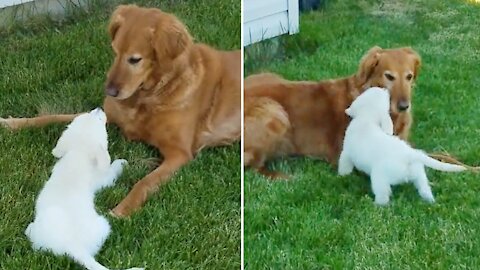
(389,77)
(409,77)
(134,60)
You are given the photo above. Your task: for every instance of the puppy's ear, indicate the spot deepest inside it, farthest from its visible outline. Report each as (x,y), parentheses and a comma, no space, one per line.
(367,65)
(417,62)
(63,144)
(101,158)
(349,112)
(386,124)
(117,19)
(170,36)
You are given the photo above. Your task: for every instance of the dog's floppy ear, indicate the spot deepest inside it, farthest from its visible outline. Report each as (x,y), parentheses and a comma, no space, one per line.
(417,62)
(101,157)
(117,19)
(170,36)
(367,65)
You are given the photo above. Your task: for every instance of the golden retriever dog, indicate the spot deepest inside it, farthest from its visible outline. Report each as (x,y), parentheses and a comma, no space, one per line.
(165,90)
(308,118)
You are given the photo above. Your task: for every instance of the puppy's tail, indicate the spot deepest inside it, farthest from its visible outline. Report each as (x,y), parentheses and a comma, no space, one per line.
(90,263)
(87,260)
(438,165)
(445,157)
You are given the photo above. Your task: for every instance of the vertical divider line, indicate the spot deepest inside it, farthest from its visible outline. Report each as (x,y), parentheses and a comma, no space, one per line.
(242,172)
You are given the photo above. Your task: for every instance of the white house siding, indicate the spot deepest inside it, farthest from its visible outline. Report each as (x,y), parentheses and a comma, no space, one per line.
(264,19)
(7,3)
(19,10)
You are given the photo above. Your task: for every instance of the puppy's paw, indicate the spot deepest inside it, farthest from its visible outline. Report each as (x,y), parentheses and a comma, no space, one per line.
(120,162)
(431,200)
(382,201)
(57,152)
(344,171)
(117,166)
(428,197)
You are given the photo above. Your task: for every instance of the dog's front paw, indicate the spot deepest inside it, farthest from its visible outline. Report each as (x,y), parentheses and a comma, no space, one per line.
(119,212)
(8,123)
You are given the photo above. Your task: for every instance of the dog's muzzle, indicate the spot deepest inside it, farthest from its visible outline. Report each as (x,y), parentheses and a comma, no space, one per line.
(403,105)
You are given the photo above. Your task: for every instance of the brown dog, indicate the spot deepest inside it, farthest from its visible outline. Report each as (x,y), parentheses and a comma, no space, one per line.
(308,118)
(165,90)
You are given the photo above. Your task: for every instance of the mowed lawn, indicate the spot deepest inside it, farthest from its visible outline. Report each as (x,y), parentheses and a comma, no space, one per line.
(191,223)
(318,220)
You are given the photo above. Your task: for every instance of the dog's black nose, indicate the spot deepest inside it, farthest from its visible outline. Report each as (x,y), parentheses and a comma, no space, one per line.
(403,105)
(111,90)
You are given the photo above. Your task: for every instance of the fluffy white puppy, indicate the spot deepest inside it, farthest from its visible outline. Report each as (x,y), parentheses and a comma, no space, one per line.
(370,146)
(65,218)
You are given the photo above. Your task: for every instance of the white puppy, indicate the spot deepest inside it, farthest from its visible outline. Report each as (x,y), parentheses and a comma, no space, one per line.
(370,146)
(65,218)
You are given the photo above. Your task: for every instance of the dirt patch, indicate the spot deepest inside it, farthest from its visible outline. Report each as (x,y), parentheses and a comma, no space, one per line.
(392,8)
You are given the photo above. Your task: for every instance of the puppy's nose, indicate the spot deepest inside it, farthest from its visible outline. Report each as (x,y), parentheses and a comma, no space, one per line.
(403,105)
(111,90)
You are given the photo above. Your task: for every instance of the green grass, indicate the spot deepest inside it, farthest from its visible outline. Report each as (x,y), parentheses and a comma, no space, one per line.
(321,221)
(191,223)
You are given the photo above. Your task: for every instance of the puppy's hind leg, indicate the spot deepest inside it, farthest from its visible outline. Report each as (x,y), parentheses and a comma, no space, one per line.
(420,181)
(345,164)
(380,187)
(113,173)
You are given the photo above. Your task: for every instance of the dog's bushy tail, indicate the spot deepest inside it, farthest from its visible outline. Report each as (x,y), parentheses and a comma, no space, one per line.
(438,165)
